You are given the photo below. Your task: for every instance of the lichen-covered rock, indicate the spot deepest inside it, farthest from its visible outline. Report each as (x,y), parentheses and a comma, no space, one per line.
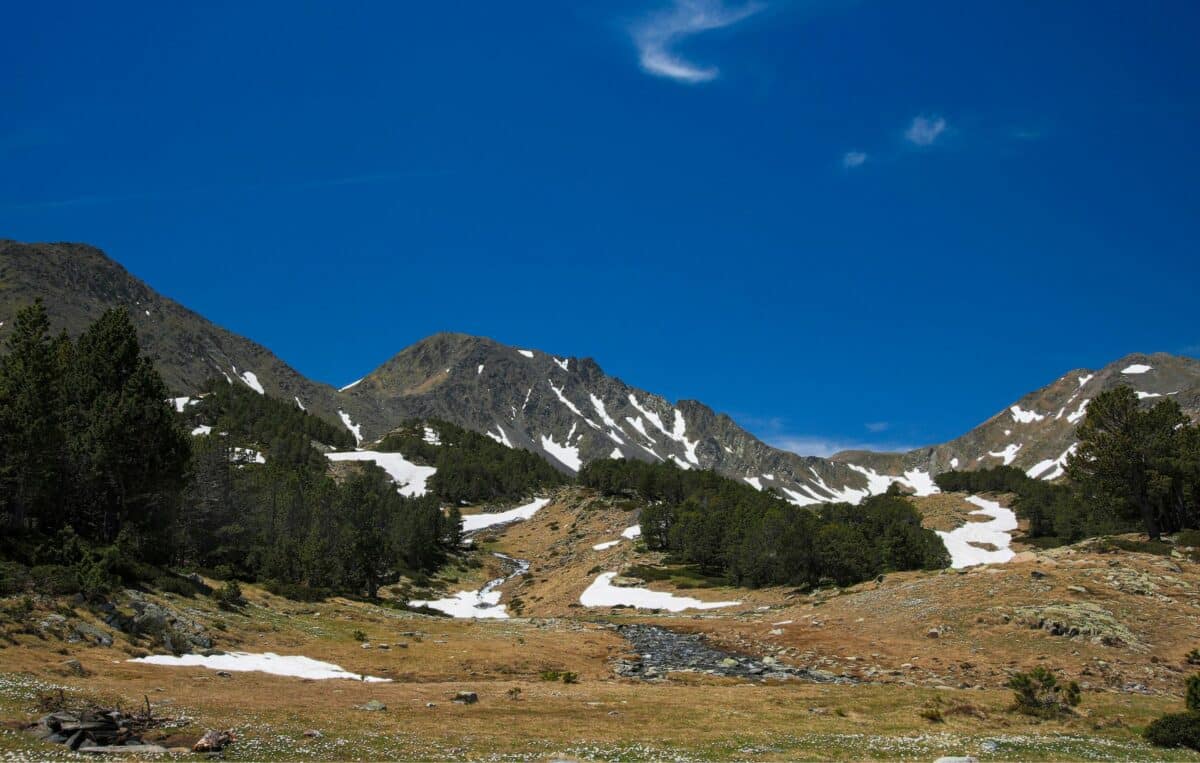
(1079,620)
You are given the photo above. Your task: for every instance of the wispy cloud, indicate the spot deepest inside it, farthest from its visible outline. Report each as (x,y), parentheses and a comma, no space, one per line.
(815,445)
(877,426)
(657,34)
(925,130)
(852,159)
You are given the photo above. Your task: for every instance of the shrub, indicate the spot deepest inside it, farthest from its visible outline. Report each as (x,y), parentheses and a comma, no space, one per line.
(1175,730)
(1193,693)
(14,578)
(176,584)
(359,635)
(54,579)
(1188,538)
(297,591)
(1193,657)
(229,596)
(1039,693)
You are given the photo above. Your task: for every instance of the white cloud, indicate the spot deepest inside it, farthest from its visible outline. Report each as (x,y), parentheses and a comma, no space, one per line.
(656,34)
(852,159)
(925,130)
(813,445)
(876,426)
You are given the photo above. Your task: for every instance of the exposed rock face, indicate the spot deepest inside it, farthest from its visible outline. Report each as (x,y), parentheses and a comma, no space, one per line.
(564,408)
(173,631)
(1037,432)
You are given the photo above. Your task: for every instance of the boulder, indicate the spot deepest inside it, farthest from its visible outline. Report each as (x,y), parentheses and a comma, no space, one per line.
(466,698)
(374,706)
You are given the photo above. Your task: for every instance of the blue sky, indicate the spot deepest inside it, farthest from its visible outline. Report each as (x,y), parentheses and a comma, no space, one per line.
(843,223)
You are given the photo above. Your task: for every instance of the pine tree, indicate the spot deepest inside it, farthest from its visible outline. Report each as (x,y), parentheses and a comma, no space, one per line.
(31,441)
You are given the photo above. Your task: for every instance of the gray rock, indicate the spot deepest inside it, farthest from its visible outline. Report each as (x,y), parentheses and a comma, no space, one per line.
(374,706)
(91,634)
(466,698)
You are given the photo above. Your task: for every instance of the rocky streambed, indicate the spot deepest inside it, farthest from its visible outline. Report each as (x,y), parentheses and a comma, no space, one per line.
(661,651)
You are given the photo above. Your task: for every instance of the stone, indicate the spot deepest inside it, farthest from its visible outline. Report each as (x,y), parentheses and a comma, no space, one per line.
(466,698)
(1077,589)
(933,633)
(91,634)
(73,667)
(1037,574)
(374,706)
(313,734)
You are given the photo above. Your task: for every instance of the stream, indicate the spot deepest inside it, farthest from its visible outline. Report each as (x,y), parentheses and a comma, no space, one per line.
(481,603)
(661,651)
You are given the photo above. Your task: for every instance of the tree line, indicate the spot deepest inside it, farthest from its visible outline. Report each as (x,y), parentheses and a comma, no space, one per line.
(1135,468)
(101,485)
(756,538)
(471,468)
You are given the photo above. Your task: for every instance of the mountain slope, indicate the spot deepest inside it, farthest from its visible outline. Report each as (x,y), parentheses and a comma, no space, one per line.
(78,282)
(564,408)
(1037,432)
(572,412)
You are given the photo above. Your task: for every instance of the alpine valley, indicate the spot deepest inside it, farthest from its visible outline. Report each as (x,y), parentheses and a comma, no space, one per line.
(479,551)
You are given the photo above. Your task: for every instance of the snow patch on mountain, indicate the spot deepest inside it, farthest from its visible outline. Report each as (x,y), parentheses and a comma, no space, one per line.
(355,429)
(1137,368)
(602,593)
(1009,454)
(410,478)
(251,380)
(476,522)
(567,454)
(1022,416)
(526,353)
(501,438)
(961,543)
(1052,468)
(351,385)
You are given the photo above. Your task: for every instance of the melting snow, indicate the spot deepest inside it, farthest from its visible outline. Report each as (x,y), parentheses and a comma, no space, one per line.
(252,381)
(300,404)
(1041,467)
(1025,417)
(1009,454)
(432,437)
(563,364)
(567,454)
(247,456)
(501,438)
(755,482)
(268,662)
(526,353)
(181,402)
(606,545)
(479,371)
(616,453)
(410,478)
(484,603)
(1137,368)
(1085,379)
(602,593)
(954,463)
(351,385)
(633,531)
(356,429)
(996,532)
(1079,412)
(201,430)
(475,522)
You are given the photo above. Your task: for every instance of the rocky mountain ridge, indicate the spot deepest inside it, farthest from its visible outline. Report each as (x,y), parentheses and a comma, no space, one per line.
(564,408)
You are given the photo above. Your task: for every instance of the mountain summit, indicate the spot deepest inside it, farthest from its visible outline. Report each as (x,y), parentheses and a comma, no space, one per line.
(564,408)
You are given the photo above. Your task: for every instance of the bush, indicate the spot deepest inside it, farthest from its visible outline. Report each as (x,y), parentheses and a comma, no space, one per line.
(297,591)
(1175,730)
(1193,693)
(177,585)
(55,579)
(1193,657)
(14,578)
(229,596)
(1188,538)
(1039,693)
(359,635)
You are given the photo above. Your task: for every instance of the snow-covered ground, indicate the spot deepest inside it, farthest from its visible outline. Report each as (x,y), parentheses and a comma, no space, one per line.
(410,478)
(483,603)
(997,532)
(267,662)
(476,522)
(633,531)
(355,429)
(606,545)
(628,533)
(602,593)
